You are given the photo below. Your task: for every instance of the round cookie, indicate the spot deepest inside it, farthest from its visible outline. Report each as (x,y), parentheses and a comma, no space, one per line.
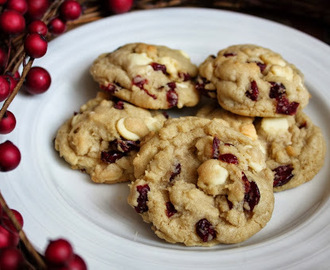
(201,183)
(295,149)
(294,146)
(104,137)
(254,81)
(148,76)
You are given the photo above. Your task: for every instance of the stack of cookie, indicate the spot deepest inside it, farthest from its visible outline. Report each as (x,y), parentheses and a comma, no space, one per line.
(202,179)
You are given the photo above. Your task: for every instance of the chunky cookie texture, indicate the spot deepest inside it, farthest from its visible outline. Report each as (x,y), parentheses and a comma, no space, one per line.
(201,183)
(253,81)
(243,124)
(294,147)
(149,76)
(104,137)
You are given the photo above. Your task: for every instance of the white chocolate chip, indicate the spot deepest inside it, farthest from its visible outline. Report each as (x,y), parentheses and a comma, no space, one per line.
(249,130)
(273,59)
(139,59)
(274,125)
(124,132)
(181,85)
(211,173)
(170,63)
(285,72)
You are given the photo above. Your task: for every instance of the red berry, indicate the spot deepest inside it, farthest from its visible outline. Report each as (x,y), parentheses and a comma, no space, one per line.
(120,6)
(70,10)
(56,26)
(37,8)
(4,88)
(59,252)
(12,22)
(35,45)
(77,263)
(11,81)
(16,76)
(38,27)
(7,123)
(37,81)
(11,258)
(7,222)
(18,5)
(8,238)
(10,156)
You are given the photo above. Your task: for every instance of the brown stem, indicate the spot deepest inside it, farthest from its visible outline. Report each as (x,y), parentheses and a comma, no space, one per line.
(38,259)
(14,61)
(16,89)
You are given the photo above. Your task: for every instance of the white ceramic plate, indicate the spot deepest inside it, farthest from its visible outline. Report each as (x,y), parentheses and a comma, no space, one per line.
(58,202)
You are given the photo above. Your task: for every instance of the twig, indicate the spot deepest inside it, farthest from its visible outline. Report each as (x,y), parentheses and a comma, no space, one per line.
(17,88)
(38,259)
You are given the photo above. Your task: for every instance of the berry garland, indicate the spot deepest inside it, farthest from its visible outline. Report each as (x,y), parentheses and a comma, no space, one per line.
(26,27)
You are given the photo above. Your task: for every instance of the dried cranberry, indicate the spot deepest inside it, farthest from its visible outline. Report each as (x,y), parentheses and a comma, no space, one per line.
(170,210)
(142,199)
(184,76)
(205,230)
(262,66)
(172,98)
(283,174)
(126,145)
(303,125)
(171,85)
(252,193)
(176,172)
(229,54)
(111,156)
(139,81)
(111,88)
(200,84)
(215,148)
(157,66)
(229,158)
(283,106)
(276,90)
(118,104)
(253,93)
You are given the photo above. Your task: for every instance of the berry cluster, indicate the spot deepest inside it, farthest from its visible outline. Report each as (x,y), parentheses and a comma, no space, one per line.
(26,27)
(59,253)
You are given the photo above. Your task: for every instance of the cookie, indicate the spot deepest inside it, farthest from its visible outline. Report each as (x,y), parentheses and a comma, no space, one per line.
(148,76)
(254,81)
(104,137)
(201,183)
(295,147)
